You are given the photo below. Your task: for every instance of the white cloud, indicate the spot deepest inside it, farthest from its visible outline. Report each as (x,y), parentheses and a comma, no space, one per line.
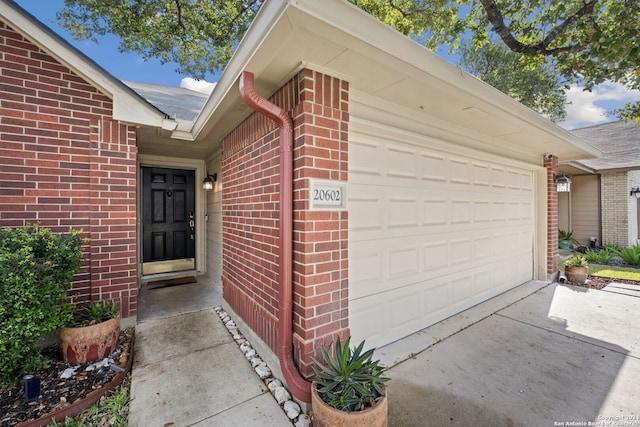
(590,108)
(197,85)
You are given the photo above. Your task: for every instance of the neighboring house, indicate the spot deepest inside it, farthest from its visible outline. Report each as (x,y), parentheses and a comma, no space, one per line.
(603,203)
(392,191)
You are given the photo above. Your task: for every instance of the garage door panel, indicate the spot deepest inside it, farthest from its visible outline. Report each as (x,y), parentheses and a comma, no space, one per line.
(434,167)
(366,212)
(406,211)
(388,316)
(377,161)
(377,267)
(431,233)
(403,212)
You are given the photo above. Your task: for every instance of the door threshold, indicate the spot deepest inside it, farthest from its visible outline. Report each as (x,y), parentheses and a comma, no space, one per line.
(173,275)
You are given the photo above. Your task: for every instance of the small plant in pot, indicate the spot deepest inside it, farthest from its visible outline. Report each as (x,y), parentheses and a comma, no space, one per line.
(566,239)
(93,333)
(349,388)
(576,269)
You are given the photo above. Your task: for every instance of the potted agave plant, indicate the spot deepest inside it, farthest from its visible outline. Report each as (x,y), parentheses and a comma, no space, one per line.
(576,269)
(349,388)
(93,333)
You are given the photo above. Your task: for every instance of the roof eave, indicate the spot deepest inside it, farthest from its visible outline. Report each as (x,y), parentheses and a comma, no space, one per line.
(281,21)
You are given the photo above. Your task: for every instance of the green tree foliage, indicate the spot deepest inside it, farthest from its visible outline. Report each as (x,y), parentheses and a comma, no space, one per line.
(536,86)
(586,41)
(199,35)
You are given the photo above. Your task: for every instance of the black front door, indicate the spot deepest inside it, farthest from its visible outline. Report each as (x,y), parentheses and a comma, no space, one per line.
(168,212)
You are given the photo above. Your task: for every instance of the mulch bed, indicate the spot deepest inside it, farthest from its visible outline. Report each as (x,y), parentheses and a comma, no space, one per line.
(595,282)
(57,393)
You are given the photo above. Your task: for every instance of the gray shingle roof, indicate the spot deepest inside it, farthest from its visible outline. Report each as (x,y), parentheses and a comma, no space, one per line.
(178,103)
(619,143)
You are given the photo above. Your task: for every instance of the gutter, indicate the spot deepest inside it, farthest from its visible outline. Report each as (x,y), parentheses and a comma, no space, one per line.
(300,387)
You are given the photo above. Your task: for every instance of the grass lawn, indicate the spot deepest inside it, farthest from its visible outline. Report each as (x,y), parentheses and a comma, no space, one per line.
(615,272)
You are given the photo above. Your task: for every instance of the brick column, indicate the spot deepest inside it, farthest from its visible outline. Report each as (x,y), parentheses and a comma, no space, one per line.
(318,105)
(552,215)
(321,266)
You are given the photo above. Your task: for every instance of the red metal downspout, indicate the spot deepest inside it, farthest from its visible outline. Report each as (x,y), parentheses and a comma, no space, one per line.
(300,388)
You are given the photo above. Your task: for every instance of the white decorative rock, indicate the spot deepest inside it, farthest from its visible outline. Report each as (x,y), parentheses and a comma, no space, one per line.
(68,373)
(230,324)
(250,354)
(292,409)
(303,421)
(256,361)
(273,384)
(263,371)
(245,346)
(281,394)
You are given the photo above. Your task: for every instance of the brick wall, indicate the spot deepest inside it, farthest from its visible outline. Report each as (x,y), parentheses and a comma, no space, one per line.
(318,105)
(552,215)
(614,197)
(64,163)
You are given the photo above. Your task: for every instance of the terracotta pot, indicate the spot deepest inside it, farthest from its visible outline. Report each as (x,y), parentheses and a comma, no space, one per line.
(326,416)
(89,343)
(576,274)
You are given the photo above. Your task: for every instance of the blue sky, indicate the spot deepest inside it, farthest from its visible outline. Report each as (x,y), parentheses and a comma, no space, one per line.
(124,66)
(584,108)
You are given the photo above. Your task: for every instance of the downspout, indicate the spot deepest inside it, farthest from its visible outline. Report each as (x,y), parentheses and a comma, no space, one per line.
(300,387)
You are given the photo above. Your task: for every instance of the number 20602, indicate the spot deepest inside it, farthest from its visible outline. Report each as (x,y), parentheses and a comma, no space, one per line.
(324,195)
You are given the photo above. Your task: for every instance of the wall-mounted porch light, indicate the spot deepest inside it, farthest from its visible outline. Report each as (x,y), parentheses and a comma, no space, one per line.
(635,191)
(563,183)
(207,182)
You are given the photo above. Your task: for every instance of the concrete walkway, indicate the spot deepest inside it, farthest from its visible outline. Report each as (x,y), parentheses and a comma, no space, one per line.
(556,354)
(188,370)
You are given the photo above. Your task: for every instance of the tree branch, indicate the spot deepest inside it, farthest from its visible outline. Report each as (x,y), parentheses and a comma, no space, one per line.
(180,23)
(497,19)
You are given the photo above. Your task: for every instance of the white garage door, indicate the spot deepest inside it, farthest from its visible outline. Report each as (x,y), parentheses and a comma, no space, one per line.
(431,233)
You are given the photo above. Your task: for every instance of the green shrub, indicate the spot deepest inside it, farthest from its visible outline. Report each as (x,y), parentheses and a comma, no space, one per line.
(602,256)
(630,255)
(36,269)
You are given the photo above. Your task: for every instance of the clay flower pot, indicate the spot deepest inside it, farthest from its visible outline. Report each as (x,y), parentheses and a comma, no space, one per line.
(576,274)
(88,344)
(327,416)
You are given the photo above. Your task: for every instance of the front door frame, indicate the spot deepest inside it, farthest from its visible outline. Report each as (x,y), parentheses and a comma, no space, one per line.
(149,160)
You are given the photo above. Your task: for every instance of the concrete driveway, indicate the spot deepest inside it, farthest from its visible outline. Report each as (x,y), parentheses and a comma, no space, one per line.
(561,356)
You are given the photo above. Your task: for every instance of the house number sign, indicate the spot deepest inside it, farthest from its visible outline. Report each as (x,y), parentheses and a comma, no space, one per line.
(327,195)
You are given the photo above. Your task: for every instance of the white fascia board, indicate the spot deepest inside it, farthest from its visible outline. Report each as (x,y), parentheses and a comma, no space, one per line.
(578,166)
(128,107)
(267,17)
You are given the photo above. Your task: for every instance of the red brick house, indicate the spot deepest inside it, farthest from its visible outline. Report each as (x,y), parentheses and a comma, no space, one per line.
(379,191)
